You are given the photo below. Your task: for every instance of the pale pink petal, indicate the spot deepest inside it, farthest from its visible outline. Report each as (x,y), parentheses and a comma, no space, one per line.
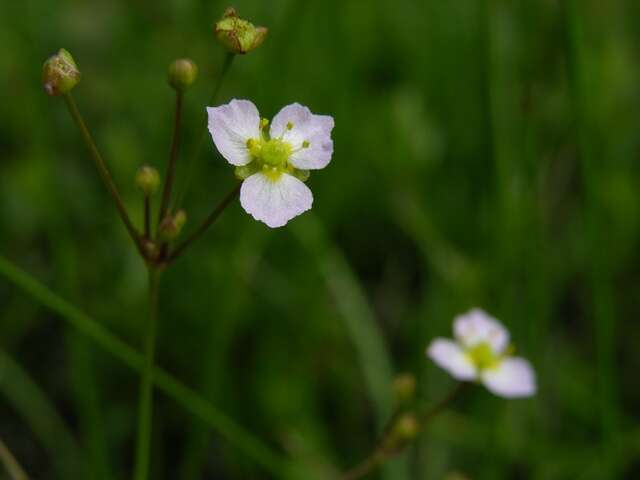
(476,326)
(309,136)
(275,202)
(512,378)
(231,125)
(449,356)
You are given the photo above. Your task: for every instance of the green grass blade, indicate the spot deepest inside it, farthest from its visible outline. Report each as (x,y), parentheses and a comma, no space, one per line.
(183,395)
(32,404)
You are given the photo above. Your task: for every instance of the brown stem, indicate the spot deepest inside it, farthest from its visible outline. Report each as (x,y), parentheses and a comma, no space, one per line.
(147,217)
(210,220)
(103,171)
(436,409)
(171,166)
(363,468)
(382,452)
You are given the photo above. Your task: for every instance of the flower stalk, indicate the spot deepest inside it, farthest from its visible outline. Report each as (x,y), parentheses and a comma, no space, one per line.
(145,409)
(103,170)
(193,161)
(210,220)
(171,166)
(400,431)
(147,217)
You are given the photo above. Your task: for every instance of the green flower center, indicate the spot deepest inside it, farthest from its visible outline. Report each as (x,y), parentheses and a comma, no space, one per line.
(275,152)
(483,356)
(271,157)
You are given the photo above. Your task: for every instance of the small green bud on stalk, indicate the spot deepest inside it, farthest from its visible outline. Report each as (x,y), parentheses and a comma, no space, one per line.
(151,250)
(404,388)
(60,73)
(238,35)
(406,427)
(147,179)
(182,74)
(171,226)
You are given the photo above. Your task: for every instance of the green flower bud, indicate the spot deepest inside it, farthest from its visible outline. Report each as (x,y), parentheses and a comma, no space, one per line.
(147,179)
(60,73)
(406,427)
(171,226)
(238,35)
(182,74)
(404,387)
(151,250)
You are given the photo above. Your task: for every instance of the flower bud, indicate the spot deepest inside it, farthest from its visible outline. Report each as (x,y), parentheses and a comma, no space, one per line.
(404,387)
(182,74)
(238,35)
(151,250)
(60,73)
(171,226)
(147,179)
(406,427)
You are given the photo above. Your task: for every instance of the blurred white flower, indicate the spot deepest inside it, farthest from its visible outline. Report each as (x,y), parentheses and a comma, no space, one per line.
(481,353)
(273,164)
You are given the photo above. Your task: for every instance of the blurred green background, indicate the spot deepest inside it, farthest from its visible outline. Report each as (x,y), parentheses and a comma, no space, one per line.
(486,153)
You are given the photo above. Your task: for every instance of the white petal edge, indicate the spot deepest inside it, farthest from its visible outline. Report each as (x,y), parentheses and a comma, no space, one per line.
(513,378)
(306,127)
(275,202)
(477,326)
(230,126)
(449,356)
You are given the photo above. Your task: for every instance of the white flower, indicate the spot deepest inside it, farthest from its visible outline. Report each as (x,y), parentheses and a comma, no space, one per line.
(273,164)
(481,353)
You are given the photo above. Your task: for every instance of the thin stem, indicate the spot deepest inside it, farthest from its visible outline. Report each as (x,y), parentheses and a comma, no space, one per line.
(213,216)
(102,169)
(171,166)
(381,453)
(146,391)
(365,467)
(228,60)
(10,463)
(442,405)
(147,217)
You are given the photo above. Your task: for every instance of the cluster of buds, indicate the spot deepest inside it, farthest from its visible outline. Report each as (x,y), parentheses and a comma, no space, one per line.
(171,226)
(60,74)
